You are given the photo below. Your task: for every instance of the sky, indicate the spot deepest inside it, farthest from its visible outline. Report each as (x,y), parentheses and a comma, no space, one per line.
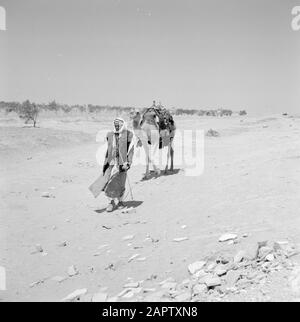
(238,54)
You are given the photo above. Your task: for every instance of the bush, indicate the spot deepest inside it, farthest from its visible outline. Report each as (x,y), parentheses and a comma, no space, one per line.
(29,112)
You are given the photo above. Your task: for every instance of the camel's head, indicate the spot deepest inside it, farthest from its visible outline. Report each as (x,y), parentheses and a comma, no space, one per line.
(135,115)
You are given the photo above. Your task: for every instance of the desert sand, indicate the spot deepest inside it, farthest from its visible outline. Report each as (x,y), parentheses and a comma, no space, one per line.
(249,187)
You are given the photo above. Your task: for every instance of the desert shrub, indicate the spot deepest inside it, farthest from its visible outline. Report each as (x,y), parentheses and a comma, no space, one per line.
(29,112)
(225,112)
(201,112)
(9,107)
(53,106)
(243,112)
(212,133)
(66,108)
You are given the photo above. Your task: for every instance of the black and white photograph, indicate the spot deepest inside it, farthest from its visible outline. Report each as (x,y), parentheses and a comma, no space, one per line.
(149,152)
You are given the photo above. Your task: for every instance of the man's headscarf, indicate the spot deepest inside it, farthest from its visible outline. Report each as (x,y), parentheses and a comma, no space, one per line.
(122,125)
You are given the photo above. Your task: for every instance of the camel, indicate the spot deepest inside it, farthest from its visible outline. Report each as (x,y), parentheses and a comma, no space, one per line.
(151,139)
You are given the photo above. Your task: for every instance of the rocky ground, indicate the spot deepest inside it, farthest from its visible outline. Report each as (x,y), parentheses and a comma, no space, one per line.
(230,234)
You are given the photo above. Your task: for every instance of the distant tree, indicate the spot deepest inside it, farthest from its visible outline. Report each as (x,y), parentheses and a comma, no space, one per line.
(12,107)
(225,112)
(243,112)
(29,112)
(53,106)
(66,108)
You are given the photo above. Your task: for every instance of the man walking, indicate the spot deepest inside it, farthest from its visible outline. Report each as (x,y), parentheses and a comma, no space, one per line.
(118,159)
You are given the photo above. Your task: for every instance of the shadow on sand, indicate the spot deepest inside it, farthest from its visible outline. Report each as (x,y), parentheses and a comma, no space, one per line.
(128,204)
(162,174)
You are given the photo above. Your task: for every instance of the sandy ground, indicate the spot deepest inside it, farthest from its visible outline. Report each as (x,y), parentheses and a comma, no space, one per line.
(250,184)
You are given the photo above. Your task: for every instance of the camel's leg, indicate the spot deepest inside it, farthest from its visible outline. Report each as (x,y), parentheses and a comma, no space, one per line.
(154,149)
(172,155)
(147,153)
(155,154)
(142,137)
(168,157)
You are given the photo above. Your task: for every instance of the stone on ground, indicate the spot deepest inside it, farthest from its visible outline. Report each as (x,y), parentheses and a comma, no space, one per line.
(194,267)
(75,295)
(226,237)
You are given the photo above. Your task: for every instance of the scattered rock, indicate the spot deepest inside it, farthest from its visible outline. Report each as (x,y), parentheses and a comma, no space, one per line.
(194,267)
(133,257)
(220,270)
(285,248)
(46,194)
(227,237)
(132,285)
(141,259)
(180,239)
(232,277)
(128,295)
(148,290)
(199,289)
(99,297)
(39,248)
(36,283)
(136,290)
(239,256)
(62,244)
(72,271)
(280,245)
(264,251)
(260,245)
(75,295)
(169,279)
(211,266)
(223,259)
(58,279)
(270,257)
(106,227)
(86,298)
(211,281)
(128,237)
(200,274)
(186,296)
(122,293)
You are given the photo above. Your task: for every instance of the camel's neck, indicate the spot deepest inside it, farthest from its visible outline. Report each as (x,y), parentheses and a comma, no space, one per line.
(136,123)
